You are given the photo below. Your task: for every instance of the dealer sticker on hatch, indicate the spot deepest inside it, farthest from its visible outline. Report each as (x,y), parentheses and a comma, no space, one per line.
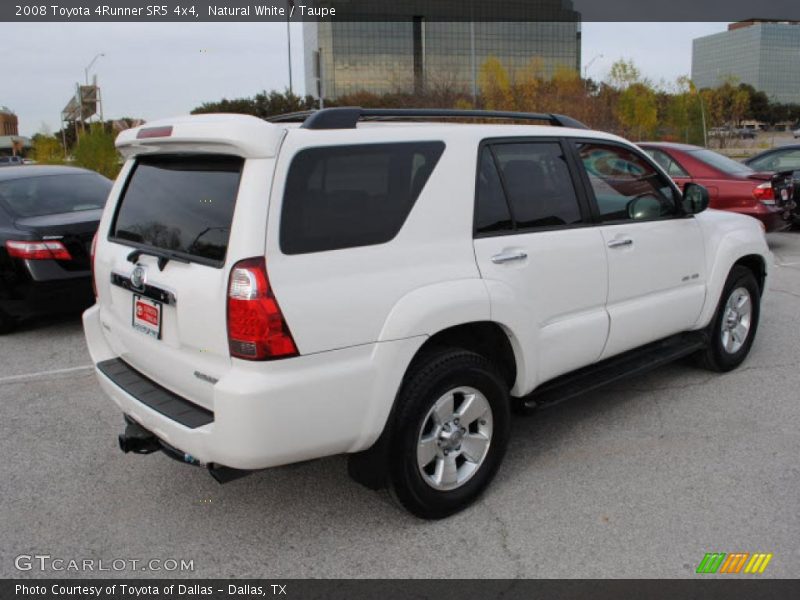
(147,316)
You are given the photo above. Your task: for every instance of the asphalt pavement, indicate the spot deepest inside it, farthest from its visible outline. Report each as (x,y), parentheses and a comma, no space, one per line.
(638,480)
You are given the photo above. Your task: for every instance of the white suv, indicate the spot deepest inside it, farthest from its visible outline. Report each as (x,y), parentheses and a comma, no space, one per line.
(326,283)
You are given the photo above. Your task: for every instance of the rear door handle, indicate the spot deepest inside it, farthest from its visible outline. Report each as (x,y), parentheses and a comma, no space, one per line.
(620,243)
(509,256)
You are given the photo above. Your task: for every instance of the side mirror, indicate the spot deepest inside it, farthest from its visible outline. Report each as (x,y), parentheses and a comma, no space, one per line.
(695,199)
(644,208)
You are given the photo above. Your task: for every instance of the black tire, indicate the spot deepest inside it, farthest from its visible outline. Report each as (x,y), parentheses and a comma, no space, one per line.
(716,357)
(430,378)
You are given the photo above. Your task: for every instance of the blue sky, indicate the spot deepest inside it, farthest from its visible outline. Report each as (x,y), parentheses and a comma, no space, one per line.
(154,70)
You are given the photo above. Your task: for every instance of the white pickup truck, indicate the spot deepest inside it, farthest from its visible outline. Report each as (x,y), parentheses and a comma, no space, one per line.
(384,284)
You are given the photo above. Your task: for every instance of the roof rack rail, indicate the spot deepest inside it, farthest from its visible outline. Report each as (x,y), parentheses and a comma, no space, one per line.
(346,117)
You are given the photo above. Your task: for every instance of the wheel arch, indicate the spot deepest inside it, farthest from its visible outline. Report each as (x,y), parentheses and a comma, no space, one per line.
(736,248)
(487,338)
(756,264)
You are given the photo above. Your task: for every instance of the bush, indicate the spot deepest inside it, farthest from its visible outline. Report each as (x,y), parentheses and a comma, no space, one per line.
(95,150)
(47,150)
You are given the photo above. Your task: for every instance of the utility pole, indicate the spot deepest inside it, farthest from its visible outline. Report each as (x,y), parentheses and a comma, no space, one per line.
(289,43)
(693,89)
(474,64)
(586,71)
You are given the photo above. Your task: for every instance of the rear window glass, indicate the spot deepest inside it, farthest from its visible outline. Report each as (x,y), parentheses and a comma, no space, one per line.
(54,194)
(348,196)
(718,161)
(182,204)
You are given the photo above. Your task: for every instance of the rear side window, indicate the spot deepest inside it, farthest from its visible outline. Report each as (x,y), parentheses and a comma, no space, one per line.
(54,194)
(666,162)
(181,204)
(524,186)
(348,196)
(491,211)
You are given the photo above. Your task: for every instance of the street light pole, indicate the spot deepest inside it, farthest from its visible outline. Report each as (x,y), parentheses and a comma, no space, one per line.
(586,70)
(89,66)
(289,42)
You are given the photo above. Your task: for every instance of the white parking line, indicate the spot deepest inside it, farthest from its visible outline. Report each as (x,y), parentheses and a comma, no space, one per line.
(40,374)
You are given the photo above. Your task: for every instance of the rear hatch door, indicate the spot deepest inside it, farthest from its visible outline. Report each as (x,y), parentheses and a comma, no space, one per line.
(162,269)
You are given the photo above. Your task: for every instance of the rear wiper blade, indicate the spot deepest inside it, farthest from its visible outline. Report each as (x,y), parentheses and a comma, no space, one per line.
(163,257)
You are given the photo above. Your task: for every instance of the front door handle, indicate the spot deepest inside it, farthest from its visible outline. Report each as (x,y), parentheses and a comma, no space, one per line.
(509,256)
(620,243)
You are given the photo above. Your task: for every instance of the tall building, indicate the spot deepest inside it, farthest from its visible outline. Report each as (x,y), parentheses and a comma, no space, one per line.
(410,44)
(10,140)
(764,54)
(8,122)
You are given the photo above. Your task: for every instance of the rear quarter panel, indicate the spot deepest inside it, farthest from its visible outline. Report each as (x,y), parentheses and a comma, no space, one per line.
(340,298)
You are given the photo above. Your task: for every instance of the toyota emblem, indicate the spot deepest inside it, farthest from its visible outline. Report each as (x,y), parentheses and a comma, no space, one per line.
(138,278)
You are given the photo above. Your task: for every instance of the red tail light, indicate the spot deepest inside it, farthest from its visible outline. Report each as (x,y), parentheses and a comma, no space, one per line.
(764,194)
(256,327)
(94,247)
(46,250)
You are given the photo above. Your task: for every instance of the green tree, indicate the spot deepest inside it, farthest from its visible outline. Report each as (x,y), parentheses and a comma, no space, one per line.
(758,103)
(637,110)
(95,150)
(47,150)
(680,116)
(623,74)
(263,105)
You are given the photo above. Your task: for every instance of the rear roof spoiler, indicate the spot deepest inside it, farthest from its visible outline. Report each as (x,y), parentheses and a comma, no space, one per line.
(347,117)
(241,135)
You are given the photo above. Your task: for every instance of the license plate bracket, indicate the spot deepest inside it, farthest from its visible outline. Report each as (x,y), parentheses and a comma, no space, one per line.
(146,317)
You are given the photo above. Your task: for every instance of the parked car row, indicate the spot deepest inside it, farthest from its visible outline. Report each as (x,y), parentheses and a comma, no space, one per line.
(745,133)
(732,185)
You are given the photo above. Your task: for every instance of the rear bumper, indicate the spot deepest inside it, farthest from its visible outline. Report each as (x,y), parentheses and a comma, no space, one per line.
(274,413)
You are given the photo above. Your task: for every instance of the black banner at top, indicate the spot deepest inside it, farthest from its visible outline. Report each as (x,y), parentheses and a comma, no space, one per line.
(156,11)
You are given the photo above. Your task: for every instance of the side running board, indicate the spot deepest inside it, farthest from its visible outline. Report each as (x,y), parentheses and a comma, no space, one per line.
(628,364)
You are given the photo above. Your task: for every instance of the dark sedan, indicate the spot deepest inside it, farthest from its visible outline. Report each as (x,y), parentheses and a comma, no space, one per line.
(783,158)
(778,160)
(732,185)
(48,217)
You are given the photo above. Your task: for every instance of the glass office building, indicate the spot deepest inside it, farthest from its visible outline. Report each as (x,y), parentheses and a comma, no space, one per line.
(416,47)
(764,54)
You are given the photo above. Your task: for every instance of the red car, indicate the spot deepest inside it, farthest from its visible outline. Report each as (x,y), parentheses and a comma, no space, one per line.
(731,185)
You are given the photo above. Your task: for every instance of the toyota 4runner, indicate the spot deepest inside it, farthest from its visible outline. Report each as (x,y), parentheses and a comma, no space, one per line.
(357,281)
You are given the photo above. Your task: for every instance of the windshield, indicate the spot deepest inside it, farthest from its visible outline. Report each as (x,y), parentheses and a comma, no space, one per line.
(183,204)
(54,194)
(723,163)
